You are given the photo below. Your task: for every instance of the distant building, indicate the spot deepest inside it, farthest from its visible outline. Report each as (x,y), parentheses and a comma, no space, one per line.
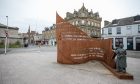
(38,38)
(12,34)
(32,34)
(49,35)
(125,31)
(31,37)
(87,21)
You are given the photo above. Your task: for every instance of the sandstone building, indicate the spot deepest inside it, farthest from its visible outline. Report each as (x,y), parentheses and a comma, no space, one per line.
(88,21)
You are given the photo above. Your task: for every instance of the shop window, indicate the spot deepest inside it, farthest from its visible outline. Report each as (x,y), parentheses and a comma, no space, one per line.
(118,41)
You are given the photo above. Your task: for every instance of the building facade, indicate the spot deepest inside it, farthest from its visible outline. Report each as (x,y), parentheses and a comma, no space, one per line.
(49,35)
(12,34)
(87,21)
(125,31)
(32,37)
(38,38)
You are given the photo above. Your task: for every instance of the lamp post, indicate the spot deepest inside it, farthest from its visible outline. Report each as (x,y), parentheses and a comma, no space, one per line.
(6,36)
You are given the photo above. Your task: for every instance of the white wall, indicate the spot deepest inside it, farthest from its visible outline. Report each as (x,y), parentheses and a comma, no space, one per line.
(125,33)
(52,42)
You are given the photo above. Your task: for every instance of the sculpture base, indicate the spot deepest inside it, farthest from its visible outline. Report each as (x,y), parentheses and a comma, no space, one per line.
(120,75)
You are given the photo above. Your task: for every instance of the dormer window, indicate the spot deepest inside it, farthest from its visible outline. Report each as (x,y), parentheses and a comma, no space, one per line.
(115,22)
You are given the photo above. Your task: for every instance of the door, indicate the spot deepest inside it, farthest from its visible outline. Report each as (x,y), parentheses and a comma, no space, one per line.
(129,43)
(138,43)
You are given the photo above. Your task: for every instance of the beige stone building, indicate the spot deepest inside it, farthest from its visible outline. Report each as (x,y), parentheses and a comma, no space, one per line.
(87,21)
(31,37)
(49,35)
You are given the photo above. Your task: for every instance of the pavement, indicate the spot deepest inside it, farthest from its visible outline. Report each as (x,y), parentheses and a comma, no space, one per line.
(2,50)
(34,65)
(134,54)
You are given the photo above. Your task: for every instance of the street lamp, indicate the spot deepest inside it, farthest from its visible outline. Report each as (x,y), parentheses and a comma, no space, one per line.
(7,33)
(6,37)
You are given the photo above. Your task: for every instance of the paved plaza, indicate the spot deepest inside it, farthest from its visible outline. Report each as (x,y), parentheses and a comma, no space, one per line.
(36,65)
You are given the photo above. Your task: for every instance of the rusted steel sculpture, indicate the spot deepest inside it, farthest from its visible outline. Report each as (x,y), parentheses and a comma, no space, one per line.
(74,46)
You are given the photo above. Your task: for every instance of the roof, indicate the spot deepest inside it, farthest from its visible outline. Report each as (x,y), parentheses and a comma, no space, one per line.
(82,13)
(124,21)
(5,26)
(2,25)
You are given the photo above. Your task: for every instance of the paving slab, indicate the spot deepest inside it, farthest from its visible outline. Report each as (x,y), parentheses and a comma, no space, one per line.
(38,66)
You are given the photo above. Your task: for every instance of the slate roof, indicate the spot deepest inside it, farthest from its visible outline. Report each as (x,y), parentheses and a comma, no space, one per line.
(124,21)
(5,26)
(2,25)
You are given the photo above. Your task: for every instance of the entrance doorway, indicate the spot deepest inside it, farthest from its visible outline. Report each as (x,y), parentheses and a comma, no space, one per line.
(129,43)
(138,43)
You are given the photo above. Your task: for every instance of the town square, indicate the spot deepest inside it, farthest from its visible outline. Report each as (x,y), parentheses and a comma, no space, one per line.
(87,43)
(36,65)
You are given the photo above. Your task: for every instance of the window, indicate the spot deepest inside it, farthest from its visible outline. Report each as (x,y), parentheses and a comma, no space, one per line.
(92,24)
(109,30)
(138,28)
(99,25)
(95,33)
(88,22)
(83,22)
(118,41)
(72,23)
(95,24)
(76,22)
(118,30)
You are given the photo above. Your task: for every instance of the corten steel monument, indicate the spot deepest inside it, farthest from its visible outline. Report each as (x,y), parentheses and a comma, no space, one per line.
(74,47)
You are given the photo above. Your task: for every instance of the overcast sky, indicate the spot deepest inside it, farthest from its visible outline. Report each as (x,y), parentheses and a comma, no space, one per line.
(41,13)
